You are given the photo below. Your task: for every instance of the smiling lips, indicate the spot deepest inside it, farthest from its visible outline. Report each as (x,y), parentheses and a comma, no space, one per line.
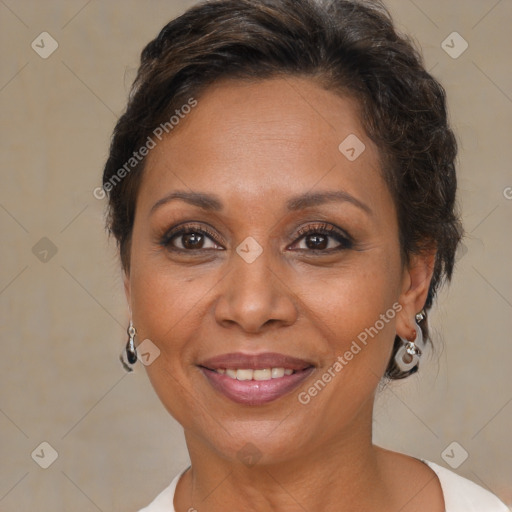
(255,379)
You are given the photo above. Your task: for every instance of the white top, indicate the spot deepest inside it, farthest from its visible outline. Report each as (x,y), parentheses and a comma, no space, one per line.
(460,494)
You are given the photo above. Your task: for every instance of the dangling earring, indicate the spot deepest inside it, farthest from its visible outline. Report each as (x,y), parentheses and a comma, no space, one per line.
(130,352)
(408,355)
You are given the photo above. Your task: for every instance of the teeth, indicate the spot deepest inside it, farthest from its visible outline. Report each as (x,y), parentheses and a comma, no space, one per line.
(265,374)
(248,374)
(244,374)
(277,372)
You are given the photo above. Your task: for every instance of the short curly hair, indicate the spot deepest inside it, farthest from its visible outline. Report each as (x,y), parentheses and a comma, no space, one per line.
(348,46)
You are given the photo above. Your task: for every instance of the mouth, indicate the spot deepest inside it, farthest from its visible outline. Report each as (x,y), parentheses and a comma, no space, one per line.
(255,379)
(257,374)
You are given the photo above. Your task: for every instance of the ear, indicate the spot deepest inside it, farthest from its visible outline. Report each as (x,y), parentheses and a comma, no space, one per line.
(415,285)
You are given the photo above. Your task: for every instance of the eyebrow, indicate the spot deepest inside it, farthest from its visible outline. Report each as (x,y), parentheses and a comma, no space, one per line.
(212,202)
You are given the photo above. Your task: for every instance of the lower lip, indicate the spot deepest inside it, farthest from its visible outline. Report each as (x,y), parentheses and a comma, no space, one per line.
(255,392)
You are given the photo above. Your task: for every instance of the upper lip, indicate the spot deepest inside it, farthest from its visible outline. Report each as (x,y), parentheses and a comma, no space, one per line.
(235,360)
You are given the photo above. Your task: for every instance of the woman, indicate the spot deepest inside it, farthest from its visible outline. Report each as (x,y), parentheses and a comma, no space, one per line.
(282,190)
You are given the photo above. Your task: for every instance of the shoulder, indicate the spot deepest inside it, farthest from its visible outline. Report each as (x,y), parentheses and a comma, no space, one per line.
(463,495)
(164,502)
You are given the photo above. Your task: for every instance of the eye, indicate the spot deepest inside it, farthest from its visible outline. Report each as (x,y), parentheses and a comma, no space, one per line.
(189,238)
(321,238)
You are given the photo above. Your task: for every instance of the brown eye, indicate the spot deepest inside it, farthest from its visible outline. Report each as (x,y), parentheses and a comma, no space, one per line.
(192,240)
(317,241)
(324,238)
(189,238)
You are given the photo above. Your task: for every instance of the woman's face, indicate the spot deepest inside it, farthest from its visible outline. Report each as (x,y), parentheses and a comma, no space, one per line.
(256,160)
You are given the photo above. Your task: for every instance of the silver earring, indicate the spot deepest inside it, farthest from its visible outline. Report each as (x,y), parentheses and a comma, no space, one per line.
(129,355)
(420,316)
(408,355)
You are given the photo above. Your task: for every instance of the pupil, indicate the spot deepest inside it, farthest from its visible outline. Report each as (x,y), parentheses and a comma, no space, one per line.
(316,244)
(192,240)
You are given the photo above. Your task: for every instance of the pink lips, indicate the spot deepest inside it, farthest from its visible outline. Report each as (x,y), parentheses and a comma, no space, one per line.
(252,392)
(254,361)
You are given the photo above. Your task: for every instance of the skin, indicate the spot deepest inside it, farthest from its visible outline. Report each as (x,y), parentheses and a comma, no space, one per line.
(255,145)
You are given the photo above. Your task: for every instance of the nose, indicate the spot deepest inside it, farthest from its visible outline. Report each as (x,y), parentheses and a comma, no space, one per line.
(255,296)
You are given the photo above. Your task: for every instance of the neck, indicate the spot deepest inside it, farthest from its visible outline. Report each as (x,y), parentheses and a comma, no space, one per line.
(336,474)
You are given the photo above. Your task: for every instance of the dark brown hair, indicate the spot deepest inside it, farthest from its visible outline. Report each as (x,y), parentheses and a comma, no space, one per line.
(350,47)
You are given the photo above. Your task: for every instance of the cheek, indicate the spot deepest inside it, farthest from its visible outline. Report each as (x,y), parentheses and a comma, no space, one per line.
(355,311)
(352,299)
(165,303)
(167,309)
(163,295)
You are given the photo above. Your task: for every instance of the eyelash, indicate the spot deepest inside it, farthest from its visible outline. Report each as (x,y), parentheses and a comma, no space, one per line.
(341,237)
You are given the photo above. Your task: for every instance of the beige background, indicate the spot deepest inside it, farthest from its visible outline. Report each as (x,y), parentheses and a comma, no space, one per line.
(63,320)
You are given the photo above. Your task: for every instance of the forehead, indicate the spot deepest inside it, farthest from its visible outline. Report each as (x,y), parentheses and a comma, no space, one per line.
(262,140)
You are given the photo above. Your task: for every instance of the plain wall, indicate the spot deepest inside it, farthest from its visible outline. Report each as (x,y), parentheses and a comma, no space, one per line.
(63,321)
